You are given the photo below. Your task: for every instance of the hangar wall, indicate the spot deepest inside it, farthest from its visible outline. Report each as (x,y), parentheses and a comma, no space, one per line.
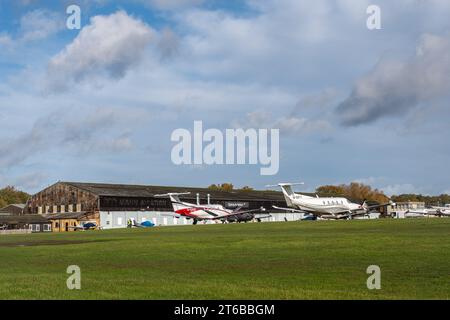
(118,219)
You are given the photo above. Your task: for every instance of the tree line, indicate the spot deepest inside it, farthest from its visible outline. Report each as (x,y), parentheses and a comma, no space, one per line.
(439,200)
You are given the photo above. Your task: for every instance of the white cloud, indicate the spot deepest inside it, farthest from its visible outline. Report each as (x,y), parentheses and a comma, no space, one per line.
(34,25)
(39,24)
(5,40)
(109,45)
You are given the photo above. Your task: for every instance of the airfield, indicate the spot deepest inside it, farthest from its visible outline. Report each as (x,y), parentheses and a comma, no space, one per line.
(275,260)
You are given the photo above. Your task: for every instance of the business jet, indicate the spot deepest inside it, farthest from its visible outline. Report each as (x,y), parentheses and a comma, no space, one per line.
(433,211)
(212,212)
(323,207)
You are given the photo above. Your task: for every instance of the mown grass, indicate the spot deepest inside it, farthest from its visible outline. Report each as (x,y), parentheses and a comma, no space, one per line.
(288,260)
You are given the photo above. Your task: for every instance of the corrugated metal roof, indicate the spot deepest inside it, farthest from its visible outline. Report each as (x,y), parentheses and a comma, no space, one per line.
(27,218)
(65,215)
(125,190)
(9,207)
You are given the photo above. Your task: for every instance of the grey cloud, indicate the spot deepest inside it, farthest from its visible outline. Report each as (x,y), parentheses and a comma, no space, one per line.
(296,125)
(14,151)
(109,45)
(317,101)
(168,44)
(394,87)
(286,124)
(100,130)
(25,182)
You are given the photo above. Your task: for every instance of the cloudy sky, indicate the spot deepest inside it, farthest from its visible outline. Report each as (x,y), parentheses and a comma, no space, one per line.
(99,104)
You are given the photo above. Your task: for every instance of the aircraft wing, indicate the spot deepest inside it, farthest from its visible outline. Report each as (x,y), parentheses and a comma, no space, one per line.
(290,210)
(76,227)
(175,215)
(365,209)
(264,217)
(235,214)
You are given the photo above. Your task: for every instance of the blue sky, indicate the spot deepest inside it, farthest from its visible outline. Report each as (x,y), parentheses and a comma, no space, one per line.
(99,104)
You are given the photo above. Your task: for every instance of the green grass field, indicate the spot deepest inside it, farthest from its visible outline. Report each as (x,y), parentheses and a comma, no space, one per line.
(287,260)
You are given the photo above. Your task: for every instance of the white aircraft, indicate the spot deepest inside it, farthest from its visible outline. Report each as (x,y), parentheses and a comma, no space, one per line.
(433,211)
(443,211)
(419,213)
(324,207)
(210,211)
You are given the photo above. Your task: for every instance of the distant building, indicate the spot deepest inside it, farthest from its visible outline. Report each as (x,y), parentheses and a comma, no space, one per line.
(30,222)
(63,222)
(399,209)
(13,209)
(111,205)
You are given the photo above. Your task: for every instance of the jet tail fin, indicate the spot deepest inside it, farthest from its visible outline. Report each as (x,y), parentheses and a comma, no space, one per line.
(286,188)
(174,198)
(365,206)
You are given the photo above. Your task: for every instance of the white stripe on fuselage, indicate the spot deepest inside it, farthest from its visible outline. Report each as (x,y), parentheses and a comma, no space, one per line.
(324,205)
(202,211)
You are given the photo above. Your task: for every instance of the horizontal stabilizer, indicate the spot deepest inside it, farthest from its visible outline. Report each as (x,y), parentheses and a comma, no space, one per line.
(282,184)
(170,194)
(289,209)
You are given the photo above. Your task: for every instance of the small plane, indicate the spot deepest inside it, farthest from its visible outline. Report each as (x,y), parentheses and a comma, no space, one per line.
(419,213)
(443,211)
(212,212)
(433,211)
(143,224)
(323,207)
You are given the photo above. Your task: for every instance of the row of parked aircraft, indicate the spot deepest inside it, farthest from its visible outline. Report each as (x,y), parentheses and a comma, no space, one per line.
(433,211)
(311,207)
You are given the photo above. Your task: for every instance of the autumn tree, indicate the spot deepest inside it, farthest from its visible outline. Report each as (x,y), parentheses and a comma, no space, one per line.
(354,191)
(439,200)
(10,195)
(222,187)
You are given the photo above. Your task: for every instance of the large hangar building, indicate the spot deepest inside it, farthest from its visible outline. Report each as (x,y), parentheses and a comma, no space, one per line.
(111,205)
